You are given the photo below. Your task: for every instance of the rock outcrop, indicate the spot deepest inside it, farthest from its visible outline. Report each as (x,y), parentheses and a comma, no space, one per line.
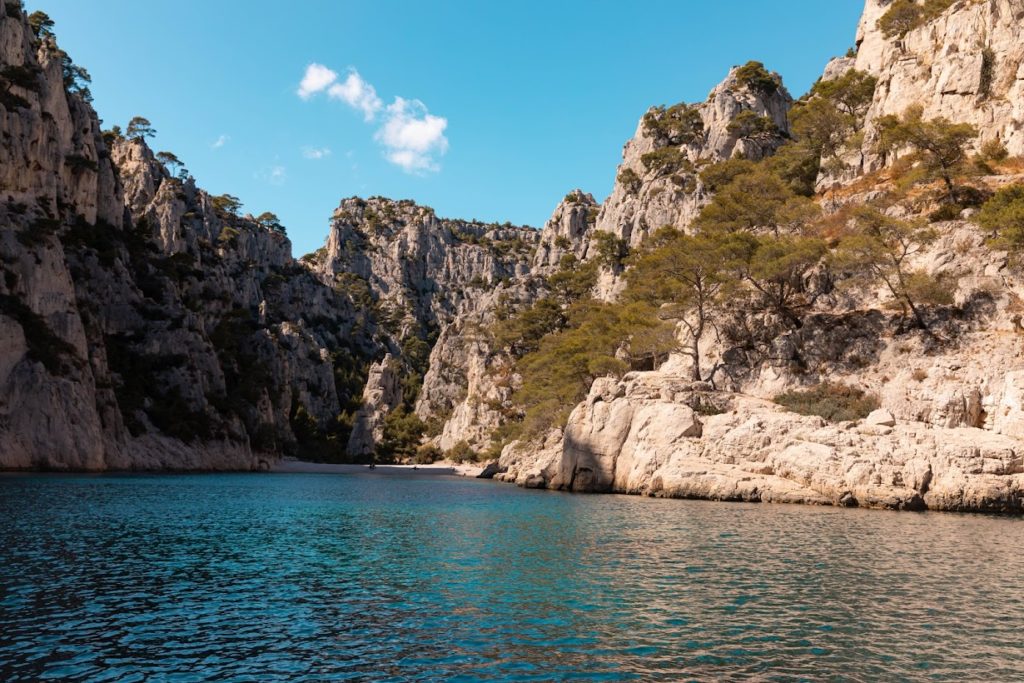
(657,435)
(966,65)
(947,435)
(143,327)
(658,184)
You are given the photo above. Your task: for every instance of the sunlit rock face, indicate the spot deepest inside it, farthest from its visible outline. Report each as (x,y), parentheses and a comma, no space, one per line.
(647,196)
(966,65)
(140,326)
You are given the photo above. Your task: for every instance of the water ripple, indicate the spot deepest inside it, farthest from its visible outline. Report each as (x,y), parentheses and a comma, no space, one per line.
(328,578)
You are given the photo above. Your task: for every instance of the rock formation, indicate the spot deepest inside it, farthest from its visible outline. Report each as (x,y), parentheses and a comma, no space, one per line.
(144,324)
(643,436)
(966,65)
(653,191)
(141,326)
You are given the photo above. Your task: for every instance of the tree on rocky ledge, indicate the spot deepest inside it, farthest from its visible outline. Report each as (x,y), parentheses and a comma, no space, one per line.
(687,278)
(939,144)
(41,23)
(171,161)
(226,205)
(878,250)
(270,221)
(139,128)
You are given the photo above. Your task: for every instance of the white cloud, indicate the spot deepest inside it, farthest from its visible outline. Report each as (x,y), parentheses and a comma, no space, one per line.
(412,136)
(358,94)
(316,152)
(220,142)
(274,175)
(317,79)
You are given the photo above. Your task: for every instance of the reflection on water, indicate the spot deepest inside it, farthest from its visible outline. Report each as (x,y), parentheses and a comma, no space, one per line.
(320,577)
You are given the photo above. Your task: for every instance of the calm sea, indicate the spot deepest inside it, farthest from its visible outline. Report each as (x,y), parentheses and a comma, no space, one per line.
(391,578)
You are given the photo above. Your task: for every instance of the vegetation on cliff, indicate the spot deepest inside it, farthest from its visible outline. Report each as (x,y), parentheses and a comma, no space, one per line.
(752,254)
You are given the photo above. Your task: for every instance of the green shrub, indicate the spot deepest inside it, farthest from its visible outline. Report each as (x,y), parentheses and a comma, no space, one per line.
(228,236)
(21,76)
(717,176)
(462,452)
(831,401)
(902,17)
(1003,216)
(994,151)
(558,374)
(403,431)
(521,333)
(754,76)
(666,160)
(906,15)
(629,180)
(427,454)
(988,71)
(946,212)
(79,163)
(573,280)
(747,124)
(612,251)
(679,124)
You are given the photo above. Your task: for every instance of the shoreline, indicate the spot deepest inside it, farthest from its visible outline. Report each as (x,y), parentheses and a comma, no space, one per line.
(437,469)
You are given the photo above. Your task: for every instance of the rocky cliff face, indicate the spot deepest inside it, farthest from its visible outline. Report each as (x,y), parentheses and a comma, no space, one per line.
(141,326)
(643,436)
(425,268)
(966,65)
(947,435)
(658,184)
(430,280)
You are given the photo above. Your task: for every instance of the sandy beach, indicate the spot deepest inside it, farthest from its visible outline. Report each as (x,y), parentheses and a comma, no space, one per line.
(449,469)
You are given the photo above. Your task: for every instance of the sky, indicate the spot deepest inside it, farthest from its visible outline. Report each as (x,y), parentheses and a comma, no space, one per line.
(480,109)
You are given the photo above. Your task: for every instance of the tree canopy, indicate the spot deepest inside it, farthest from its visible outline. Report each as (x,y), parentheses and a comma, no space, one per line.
(139,128)
(879,248)
(1003,216)
(41,23)
(938,144)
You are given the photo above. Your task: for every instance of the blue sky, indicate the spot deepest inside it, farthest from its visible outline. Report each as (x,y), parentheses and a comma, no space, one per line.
(505,106)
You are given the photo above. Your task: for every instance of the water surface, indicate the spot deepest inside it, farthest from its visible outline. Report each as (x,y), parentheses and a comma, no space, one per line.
(326,577)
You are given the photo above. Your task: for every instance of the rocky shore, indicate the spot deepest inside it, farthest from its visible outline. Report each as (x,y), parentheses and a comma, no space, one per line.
(657,435)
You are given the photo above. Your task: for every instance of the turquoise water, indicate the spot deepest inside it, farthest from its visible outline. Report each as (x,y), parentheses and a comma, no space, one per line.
(385,578)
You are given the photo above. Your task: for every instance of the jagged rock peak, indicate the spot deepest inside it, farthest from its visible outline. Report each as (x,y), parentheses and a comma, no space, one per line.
(658,183)
(568,231)
(382,213)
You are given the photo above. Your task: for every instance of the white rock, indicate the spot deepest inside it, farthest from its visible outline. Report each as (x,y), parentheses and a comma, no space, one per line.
(881,418)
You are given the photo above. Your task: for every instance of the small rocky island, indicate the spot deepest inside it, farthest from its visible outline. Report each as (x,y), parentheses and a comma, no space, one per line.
(814,300)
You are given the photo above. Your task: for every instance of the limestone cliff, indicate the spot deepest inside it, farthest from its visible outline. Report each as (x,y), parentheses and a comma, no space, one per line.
(427,278)
(142,327)
(658,184)
(947,434)
(966,64)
